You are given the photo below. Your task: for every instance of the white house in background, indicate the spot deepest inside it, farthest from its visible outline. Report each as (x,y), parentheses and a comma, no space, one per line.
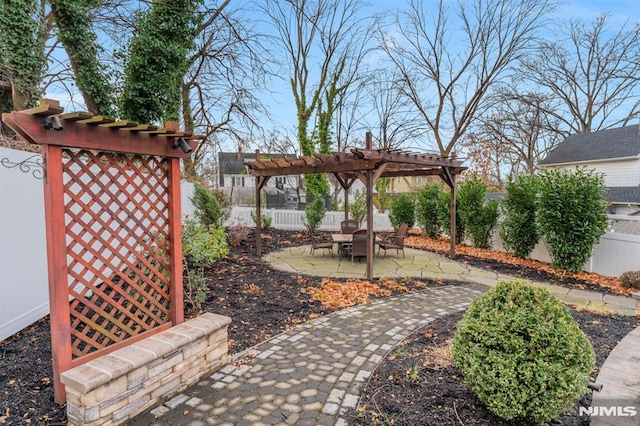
(236,181)
(613,152)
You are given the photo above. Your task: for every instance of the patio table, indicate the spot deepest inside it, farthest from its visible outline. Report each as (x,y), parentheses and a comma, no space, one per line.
(343,240)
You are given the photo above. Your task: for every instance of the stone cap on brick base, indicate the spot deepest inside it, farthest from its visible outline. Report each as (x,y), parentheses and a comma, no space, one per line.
(104,369)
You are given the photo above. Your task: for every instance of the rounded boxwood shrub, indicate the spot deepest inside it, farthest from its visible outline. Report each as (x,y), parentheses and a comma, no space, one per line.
(522,353)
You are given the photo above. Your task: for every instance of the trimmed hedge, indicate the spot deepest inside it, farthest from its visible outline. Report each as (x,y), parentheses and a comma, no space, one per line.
(522,353)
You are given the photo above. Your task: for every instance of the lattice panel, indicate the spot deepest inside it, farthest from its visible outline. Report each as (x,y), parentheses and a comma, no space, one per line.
(117,226)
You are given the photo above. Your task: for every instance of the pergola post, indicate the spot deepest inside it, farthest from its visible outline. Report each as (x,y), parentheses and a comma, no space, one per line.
(452,218)
(370,238)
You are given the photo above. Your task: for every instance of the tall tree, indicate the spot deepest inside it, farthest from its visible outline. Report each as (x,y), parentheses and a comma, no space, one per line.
(157,61)
(513,137)
(22,49)
(593,71)
(449,63)
(74,20)
(320,39)
(227,71)
(394,120)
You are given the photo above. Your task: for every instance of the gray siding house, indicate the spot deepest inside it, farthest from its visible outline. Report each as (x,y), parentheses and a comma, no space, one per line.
(613,152)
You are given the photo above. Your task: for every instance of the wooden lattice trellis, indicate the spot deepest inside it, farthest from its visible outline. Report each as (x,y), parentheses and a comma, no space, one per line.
(112,206)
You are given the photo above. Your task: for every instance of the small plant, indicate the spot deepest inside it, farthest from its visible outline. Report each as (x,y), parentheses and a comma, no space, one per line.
(478,215)
(522,353)
(314,213)
(630,279)
(519,230)
(209,210)
(403,210)
(358,208)
(382,188)
(265,223)
(427,209)
(201,246)
(414,373)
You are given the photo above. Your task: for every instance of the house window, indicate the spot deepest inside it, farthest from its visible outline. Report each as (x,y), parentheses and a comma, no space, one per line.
(280,181)
(418,179)
(237,181)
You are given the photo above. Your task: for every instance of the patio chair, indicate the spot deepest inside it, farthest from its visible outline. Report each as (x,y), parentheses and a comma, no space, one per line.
(394,241)
(349,226)
(320,245)
(358,246)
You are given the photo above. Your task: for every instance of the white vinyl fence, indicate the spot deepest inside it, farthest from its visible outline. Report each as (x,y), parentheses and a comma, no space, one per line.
(23,256)
(294,219)
(23,260)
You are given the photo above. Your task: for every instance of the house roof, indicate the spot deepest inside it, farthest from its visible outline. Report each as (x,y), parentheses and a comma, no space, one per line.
(623,195)
(232,163)
(601,145)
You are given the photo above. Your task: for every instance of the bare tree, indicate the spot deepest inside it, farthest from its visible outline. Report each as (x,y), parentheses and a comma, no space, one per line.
(321,40)
(447,71)
(227,71)
(393,119)
(593,71)
(513,137)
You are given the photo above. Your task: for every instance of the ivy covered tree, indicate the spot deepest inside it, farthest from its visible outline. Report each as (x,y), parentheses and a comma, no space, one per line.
(22,35)
(74,19)
(157,61)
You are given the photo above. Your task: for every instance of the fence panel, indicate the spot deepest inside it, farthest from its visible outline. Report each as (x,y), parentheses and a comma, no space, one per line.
(294,219)
(23,256)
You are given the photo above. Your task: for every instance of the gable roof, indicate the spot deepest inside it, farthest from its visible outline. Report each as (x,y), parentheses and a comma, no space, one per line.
(601,145)
(623,195)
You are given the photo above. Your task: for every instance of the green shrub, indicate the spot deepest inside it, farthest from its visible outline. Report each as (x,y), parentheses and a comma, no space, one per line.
(266,221)
(522,353)
(427,209)
(444,216)
(358,209)
(630,279)
(519,230)
(403,210)
(382,189)
(571,215)
(201,246)
(208,208)
(478,215)
(314,212)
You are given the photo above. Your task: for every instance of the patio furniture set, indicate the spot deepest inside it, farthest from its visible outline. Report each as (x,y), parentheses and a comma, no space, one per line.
(352,241)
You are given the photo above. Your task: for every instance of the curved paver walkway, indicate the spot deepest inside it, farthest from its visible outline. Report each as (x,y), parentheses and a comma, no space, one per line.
(620,379)
(312,375)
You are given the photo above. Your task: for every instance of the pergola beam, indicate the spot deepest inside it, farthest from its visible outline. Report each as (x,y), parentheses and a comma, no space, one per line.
(368,165)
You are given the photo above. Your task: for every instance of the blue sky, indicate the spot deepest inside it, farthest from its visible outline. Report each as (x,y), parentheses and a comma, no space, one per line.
(282,101)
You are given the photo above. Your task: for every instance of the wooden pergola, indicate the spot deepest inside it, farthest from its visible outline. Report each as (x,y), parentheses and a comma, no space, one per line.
(112,210)
(368,165)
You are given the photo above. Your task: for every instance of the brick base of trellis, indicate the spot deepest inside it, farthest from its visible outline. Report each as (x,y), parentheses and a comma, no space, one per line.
(122,384)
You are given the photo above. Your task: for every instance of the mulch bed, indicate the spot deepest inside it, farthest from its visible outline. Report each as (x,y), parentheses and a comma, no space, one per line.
(264,302)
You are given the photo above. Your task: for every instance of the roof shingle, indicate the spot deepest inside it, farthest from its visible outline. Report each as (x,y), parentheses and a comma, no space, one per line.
(604,144)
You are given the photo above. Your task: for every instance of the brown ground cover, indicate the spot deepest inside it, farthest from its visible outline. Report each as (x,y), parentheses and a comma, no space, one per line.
(264,302)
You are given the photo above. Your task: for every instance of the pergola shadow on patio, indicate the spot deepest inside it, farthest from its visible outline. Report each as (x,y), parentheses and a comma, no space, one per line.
(368,165)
